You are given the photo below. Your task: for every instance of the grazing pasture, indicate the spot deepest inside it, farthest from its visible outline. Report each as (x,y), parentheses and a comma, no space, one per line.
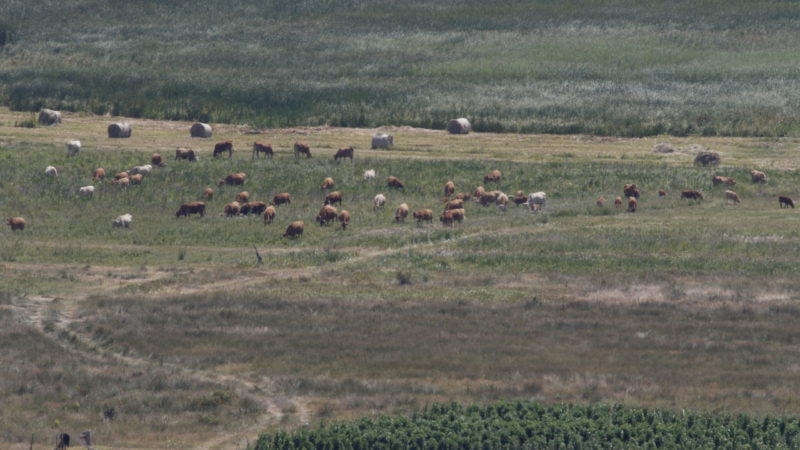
(171,330)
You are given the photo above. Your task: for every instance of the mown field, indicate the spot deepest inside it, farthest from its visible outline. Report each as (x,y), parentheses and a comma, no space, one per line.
(621,67)
(169,334)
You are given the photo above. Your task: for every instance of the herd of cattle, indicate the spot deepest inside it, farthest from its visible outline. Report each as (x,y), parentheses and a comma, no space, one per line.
(454,203)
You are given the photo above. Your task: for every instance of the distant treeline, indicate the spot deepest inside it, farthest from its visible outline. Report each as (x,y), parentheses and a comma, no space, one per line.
(624,67)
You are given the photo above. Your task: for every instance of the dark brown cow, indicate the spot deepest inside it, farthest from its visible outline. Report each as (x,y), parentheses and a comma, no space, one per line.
(294,229)
(632,204)
(519,198)
(630,190)
(326,215)
(344,152)
(333,197)
(344,219)
(16,223)
(495,176)
(234,179)
(157,161)
(185,153)
(232,209)
(466,196)
(269,215)
(662,193)
(243,197)
(691,194)
(423,215)
(785,201)
(222,147)
(446,219)
(449,188)
(280,199)
(255,208)
(302,147)
(191,208)
(259,148)
(394,182)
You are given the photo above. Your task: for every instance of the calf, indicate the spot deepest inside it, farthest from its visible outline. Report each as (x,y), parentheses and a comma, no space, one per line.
(191,208)
(618,202)
(401,213)
(519,198)
(86,191)
(302,148)
(51,171)
(259,148)
(785,202)
(344,219)
(294,229)
(222,147)
(632,204)
(691,194)
(717,180)
(344,152)
(16,223)
(454,204)
(333,197)
(136,179)
(283,198)
(463,196)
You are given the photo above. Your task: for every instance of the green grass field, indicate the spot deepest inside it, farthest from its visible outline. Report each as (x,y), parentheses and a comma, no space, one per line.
(173,326)
(622,67)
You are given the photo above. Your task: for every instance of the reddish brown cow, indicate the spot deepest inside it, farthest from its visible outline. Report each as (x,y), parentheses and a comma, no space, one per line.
(454,204)
(326,214)
(185,153)
(302,148)
(449,188)
(618,202)
(632,204)
(234,179)
(136,179)
(333,197)
(446,219)
(222,147)
(294,229)
(495,176)
(208,193)
(16,223)
(344,152)
(269,215)
(327,183)
(255,208)
(662,193)
(691,194)
(394,182)
(259,148)
(122,182)
(785,202)
(232,209)
(401,213)
(243,197)
(423,215)
(121,175)
(99,174)
(280,199)
(458,214)
(463,196)
(344,219)
(191,208)
(157,161)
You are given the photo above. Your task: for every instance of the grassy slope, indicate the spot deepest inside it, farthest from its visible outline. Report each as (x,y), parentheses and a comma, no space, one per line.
(682,304)
(616,68)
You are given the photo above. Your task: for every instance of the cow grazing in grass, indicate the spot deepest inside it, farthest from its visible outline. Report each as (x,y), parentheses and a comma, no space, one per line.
(717,180)
(537,200)
(121,182)
(465,196)
(454,204)
(191,208)
(519,198)
(378,201)
(232,209)
(269,214)
(632,204)
(493,177)
(259,148)
(73,147)
(691,194)
(157,161)
(732,197)
(16,223)
(344,152)
(123,221)
(222,147)
(423,215)
(757,176)
(86,191)
(255,208)
(185,153)
(283,198)
(662,193)
(208,193)
(401,213)
(601,201)
(301,148)
(51,171)
(99,174)
(333,198)
(141,170)
(785,202)
(326,215)
(394,183)
(243,197)
(344,219)
(618,202)
(630,190)
(294,229)
(369,174)
(327,183)
(233,179)
(136,179)
(449,189)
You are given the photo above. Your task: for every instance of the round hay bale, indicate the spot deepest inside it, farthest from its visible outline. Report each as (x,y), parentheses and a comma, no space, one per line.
(459,126)
(119,130)
(663,147)
(201,130)
(707,159)
(49,117)
(382,140)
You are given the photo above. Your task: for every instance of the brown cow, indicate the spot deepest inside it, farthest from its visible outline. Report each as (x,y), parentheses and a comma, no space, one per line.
(157,161)
(519,198)
(495,176)
(326,214)
(479,191)
(618,202)
(758,176)
(121,175)
(449,188)
(280,199)
(394,182)
(662,193)
(601,201)
(136,179)
(302,147)
(632,204)
(122,182)
(243,197)
(454,204)
(255,208)
(630,190)
(463,196)
(185,153)
(490,198)
(232,209)
(401,213)
(333,197)
(208,193)
(344,152)
(423,215)
(99,174)
(458,215)
(327,183)
(16,223)
(691,194)
(344,218)
(259,148)
(222,147)
(446,219)
(717,180)
(785,201)
(234,179)
(269,215)
(732,197)
(191,208)
(294,229)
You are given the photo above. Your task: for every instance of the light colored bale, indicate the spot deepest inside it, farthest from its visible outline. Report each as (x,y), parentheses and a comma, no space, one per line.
(382,140)
(119,130)
(201,130)
(459,126)
(49,117)
(663,147)
(707,159)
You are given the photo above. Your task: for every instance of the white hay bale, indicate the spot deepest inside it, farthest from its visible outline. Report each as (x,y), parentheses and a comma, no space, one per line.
(382,140)
(201,130)
(459,126)
(119,130)
(49,117)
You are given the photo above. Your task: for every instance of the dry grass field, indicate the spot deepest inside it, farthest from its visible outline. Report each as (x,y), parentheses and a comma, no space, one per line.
(170,335)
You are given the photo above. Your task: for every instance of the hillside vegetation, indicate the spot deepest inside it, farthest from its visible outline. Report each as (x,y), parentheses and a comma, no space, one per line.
(621,67)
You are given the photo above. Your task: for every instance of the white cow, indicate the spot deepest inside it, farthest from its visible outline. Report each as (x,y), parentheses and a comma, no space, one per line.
(144,170)
(86,191)
(369,174)
(51,171)
(378,201)
(73,147)
(536,201)
(123,221)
